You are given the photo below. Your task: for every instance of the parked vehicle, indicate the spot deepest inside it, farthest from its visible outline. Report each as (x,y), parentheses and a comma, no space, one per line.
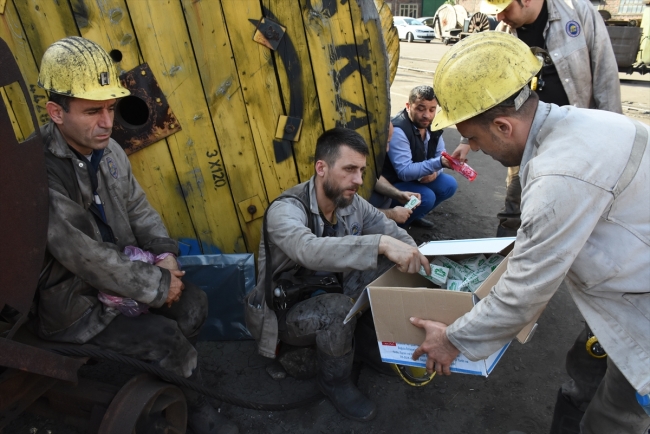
(412,29)
(427,21)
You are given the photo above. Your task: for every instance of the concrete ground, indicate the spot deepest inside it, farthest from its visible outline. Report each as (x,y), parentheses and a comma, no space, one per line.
(518,395)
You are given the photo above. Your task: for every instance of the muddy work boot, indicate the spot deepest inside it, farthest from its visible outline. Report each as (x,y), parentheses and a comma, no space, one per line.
(334,380)
(202,417)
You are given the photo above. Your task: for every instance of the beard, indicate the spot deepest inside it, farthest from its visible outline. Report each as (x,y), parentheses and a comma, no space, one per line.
(421,126)
(335,194)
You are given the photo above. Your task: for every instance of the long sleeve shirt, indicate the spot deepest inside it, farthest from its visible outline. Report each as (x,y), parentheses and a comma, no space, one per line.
(579,226)
(291,242)
(399,153)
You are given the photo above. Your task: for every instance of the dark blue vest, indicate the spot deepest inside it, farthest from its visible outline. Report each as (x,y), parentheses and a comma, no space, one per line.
(403,122)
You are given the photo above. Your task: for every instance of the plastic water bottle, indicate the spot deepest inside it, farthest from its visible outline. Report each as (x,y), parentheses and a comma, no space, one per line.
(459,167)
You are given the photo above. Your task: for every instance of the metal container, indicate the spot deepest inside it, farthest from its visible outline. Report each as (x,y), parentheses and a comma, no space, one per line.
(625,41)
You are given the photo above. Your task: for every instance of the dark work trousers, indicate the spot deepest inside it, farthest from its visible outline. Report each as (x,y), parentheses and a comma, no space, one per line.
(510,215)
(319,320)
(599,388)
(162,336)
(614,408)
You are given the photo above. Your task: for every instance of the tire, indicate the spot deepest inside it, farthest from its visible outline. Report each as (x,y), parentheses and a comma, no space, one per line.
(445,41)
(427,41)
(409,37)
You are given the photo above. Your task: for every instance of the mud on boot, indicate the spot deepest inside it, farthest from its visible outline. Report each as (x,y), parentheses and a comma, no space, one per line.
(334,380)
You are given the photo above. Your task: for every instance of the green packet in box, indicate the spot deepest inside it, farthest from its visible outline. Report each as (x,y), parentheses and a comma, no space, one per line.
(438,274)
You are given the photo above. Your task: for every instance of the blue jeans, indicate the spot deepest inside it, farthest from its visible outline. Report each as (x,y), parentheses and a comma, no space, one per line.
(433,193)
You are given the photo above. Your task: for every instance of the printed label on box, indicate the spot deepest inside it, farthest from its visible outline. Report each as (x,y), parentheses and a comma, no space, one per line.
(398,353)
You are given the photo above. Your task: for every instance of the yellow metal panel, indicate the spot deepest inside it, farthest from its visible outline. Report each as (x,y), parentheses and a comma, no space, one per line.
(227,109)
(261,96)
(109,24)
(11,30)
(165,43)
(338,73)
(372,57)
(45,22)
(12,117)
(297,81)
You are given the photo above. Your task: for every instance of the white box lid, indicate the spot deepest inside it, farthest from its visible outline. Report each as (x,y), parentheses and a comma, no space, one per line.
(465,247)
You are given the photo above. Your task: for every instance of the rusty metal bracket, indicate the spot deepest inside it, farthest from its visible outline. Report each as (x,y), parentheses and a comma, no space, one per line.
(144,117)
(269,33)
(38,361)
(289,128)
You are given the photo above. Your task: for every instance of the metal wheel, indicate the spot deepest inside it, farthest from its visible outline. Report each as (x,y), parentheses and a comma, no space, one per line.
(409,37)
(478,23)
(146,405)
(445,41)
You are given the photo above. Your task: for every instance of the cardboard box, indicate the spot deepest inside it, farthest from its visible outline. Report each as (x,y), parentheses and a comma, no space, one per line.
(395,297)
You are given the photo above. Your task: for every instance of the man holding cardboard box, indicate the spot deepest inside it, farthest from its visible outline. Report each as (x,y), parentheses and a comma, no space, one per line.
(584,221)
(322,244)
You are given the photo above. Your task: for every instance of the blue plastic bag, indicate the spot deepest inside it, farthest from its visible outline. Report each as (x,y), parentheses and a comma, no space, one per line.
(226,279)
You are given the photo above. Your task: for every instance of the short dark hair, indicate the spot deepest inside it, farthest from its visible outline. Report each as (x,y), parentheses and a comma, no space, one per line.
(421,92)
(62,100)
(329,143)
(507,108)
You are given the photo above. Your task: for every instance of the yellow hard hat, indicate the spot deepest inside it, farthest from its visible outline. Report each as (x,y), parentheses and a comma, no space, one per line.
(80,68)
(493,7)
(480,72)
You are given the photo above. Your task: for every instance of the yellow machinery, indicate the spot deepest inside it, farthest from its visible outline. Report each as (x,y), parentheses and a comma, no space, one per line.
(228,97)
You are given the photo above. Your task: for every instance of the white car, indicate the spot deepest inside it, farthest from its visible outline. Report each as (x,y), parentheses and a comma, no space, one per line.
(413,29)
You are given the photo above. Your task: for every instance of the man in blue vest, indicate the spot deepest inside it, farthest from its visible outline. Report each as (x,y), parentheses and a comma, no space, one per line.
(414,162)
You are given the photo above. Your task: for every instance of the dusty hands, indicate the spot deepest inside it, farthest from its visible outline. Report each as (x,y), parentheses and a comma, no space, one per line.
(440,352)
(460,153)
(168,262)
(176,287)
(400,214)
(429,178)
(405,196)
(407,258)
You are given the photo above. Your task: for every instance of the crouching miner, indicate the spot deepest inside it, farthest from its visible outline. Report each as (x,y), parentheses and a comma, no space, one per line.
(322,244)
(92,289)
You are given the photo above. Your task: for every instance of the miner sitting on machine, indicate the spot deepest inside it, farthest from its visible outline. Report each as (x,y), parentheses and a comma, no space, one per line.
(322,244)
(92,288)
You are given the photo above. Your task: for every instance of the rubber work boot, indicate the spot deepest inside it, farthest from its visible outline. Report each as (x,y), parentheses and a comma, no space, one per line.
(202,417)
(334,380)
(566,417)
